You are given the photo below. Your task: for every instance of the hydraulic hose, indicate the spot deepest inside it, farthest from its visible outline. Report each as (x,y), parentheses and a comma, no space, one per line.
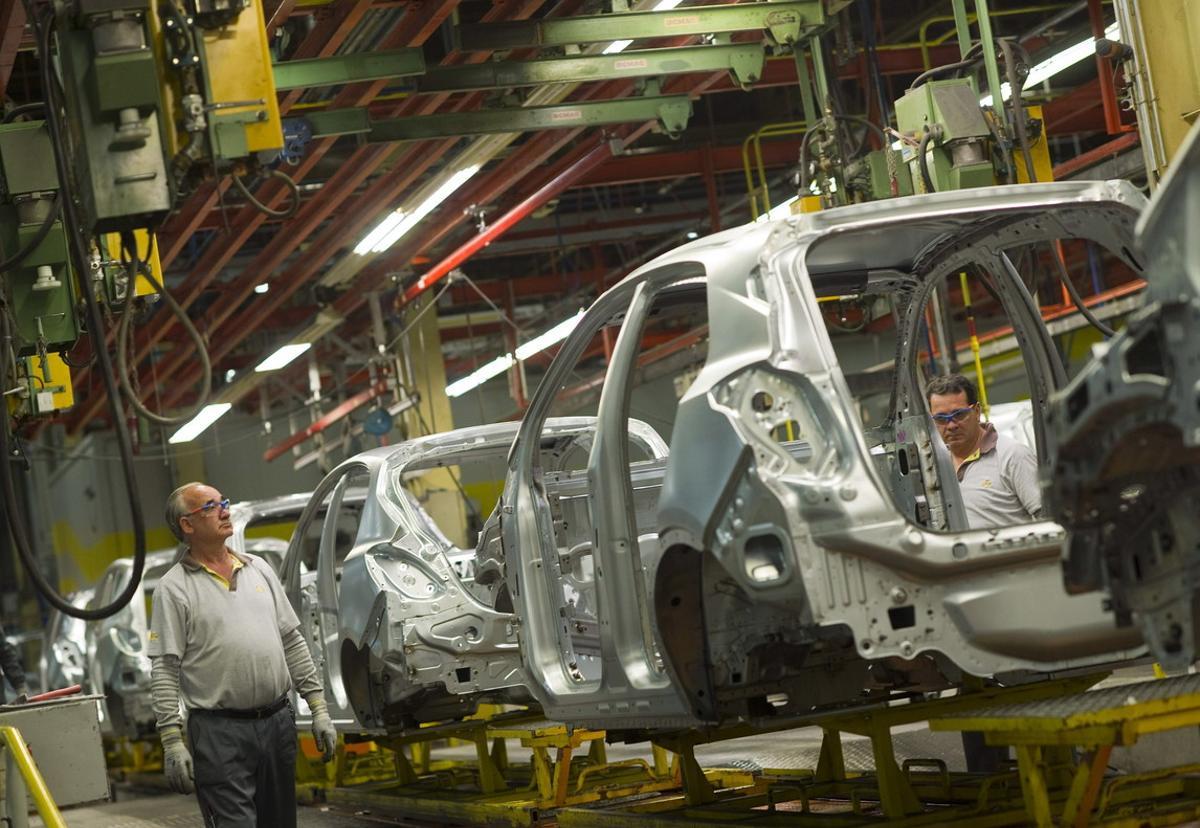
(38,237)
(263,208)
(123,328)
(923,162)
(1016,85)
(1083,309)
(78,250)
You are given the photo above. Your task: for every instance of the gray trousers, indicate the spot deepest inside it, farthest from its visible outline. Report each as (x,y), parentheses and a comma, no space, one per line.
(245,769)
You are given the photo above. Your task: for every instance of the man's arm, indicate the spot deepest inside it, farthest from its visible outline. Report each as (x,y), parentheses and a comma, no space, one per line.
(1022,473)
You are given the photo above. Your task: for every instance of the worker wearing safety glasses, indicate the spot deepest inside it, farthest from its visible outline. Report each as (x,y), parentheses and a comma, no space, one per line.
(998,476)
(226,642)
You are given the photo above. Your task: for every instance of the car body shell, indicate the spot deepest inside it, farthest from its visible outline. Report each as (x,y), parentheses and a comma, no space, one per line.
(740,578)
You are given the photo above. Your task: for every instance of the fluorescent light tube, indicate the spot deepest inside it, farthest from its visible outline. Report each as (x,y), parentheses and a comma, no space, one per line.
(382,229)
(1056,63)
(412,219)
(262,288)
(481,375)
(194,427)
(551,337)
(282,357)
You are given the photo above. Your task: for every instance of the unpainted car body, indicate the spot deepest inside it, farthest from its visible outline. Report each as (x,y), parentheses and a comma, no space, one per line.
(405,626)
(743,577)
(1124,468)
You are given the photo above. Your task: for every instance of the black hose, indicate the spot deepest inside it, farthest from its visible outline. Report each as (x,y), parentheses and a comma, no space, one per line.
(923,163)
(23,109)
(38,238)
(78,249)
(123,328)
(969,60)
(1016,86)
(263,208)
(1083,309)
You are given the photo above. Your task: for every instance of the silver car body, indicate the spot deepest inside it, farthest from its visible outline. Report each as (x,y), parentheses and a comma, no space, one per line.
(1124,459)
(407,627)
(806,567)
(740,578)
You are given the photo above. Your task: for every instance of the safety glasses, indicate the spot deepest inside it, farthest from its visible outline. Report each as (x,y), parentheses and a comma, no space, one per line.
(955,416)
(209,506)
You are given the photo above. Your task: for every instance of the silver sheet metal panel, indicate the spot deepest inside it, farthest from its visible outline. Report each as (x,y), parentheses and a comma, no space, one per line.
(63,736)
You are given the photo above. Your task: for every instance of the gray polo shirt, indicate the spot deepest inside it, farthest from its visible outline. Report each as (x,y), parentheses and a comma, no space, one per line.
(228,635)
(999,483)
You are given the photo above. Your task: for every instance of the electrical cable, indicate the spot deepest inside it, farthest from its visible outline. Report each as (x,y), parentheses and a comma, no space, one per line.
(23,109)
(1016,85)
(77,248)
(923,162)
(38,237)
(262,208)
(1083,309)
(123,373)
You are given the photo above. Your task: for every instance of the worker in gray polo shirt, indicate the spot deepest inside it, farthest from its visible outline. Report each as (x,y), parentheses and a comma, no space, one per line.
(998,476)
(998,480)
(226,645)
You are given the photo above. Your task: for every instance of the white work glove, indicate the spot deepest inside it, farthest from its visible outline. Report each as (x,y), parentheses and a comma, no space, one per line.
(322,726)
(177,762)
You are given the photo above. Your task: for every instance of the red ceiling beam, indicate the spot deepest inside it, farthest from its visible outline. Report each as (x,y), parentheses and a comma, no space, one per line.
(657,166)
(1092,157)
(12,28)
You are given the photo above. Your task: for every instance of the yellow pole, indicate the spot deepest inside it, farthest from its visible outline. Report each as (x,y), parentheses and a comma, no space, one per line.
(966,292)
(47,810)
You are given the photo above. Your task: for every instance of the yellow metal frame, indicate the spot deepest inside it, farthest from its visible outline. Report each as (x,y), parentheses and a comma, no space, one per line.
(1059,790)
(10,738)
(567,767)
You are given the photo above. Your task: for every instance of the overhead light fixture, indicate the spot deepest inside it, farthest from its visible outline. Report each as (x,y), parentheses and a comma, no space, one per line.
(194,427)
(398,222)
(616,46)
(523,352)
(382,229)
(262,288)
(481,375)
(229,375)
(282,357)
(692,234)
(551,337)
(622,45)
(1057,62)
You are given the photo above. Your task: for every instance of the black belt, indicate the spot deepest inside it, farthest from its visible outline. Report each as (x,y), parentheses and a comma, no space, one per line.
(256,713)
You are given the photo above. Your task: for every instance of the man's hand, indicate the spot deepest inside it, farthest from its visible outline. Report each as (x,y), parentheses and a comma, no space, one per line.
(322,726)
(177,762)
(22,694)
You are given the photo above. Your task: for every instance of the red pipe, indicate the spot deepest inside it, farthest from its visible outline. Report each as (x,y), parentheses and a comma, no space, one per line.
(560,182)
(325,421)
(1108,89)
(55,694)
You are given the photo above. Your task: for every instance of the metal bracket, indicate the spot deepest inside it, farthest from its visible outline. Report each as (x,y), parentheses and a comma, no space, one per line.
(785,21)
(340,69)
(671,111)
(744,60)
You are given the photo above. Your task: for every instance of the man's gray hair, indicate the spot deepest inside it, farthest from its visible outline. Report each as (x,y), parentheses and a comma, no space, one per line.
(177,508)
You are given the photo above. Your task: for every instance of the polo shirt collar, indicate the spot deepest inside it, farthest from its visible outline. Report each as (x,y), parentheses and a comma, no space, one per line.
(987,443)
(192,565)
